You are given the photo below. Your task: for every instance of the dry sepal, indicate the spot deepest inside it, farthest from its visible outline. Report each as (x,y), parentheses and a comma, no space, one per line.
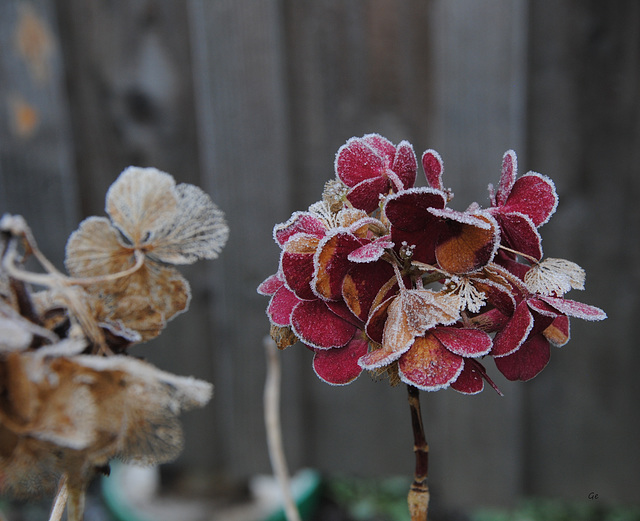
(71,399)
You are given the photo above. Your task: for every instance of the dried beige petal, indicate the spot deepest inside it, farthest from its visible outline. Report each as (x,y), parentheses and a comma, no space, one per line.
(198,230)
(141,202)
(554,277)
(87,410)
(145,300)
(95,249)
(415,311)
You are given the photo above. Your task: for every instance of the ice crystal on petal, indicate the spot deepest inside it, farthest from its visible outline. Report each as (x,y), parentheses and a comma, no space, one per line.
(554,277)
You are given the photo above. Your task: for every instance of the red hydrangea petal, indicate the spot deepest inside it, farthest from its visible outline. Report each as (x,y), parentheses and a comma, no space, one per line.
(507,176)
(463,341)
(299,222)
(526,362)
(380,144)
(470,380)
(356,161)
(298,273)
(340,308)
(331,264)
(366,194)
(370,252)
(281,306)
(317,326)
(515,332)
(361,285)
(519,233)
(339,366)
(533,195)
(498,295)
(409,210)
(433,168)
(405,164)
(559,332)
(271,284)
(574,309)
(428,365)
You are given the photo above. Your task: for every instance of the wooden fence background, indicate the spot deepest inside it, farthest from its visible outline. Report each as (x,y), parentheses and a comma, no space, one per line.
(250,99)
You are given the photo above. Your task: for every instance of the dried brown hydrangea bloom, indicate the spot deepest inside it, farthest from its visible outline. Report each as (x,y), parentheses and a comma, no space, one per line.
(68,404)
(154,223)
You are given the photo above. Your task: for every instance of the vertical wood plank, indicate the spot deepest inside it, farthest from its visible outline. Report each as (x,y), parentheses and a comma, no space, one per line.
(129,82)
(242,121)
(585,133)
(478,110)
(36,154)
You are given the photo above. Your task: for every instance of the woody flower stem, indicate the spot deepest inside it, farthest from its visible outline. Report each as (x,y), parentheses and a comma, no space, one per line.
(418,497)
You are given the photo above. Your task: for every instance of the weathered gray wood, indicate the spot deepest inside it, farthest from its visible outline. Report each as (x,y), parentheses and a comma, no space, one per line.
(584,130)
(129,80)
(476,114)
(37,177)
(243,136)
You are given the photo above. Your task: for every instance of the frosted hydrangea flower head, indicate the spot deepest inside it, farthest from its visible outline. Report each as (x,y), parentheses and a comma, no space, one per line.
(385,277)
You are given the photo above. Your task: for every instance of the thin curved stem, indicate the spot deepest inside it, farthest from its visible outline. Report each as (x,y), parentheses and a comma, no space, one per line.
(60,500)
(274,431)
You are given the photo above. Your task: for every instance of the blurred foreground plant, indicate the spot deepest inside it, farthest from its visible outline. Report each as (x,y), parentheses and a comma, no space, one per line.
(71,399)
(383,276)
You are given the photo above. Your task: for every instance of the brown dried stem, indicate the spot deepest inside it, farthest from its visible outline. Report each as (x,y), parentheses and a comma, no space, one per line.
(418,498)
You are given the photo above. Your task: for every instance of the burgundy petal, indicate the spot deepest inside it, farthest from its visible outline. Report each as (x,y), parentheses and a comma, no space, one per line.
(469,382)
(299,222)
(409,210)
(574,309)
(331,264)
(533,195)
(519,233)
(433,168)
(356,161)
(297,269)
(339,366)
(366,194)
(507,176)
(526,362)
(405,165)
(463,341)
(515,332)
(271,284)
(316,325)
(281,306)
(361,285)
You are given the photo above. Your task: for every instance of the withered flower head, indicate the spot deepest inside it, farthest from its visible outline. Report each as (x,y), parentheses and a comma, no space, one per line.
(154,223)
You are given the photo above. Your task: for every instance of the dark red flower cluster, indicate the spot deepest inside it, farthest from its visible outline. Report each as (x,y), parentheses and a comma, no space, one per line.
(383,276)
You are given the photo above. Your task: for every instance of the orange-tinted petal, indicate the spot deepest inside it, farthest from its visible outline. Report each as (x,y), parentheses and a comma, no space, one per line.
(428,365)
